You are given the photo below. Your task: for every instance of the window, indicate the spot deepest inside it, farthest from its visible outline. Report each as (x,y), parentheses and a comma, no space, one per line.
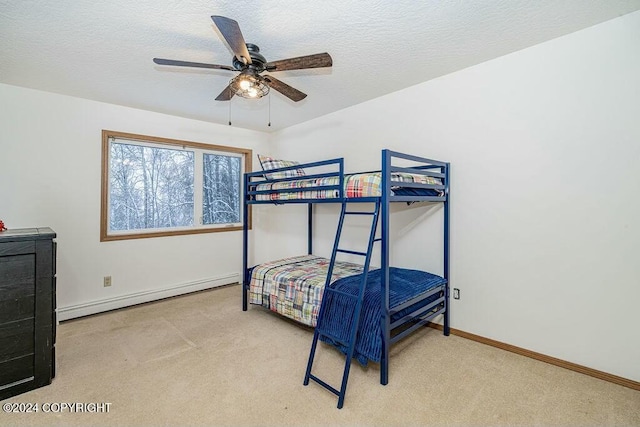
(159,187)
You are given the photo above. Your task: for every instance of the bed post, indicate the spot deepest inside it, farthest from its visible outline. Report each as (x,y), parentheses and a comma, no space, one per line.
(310,229)
(385,321)
(446,247)
(245,243)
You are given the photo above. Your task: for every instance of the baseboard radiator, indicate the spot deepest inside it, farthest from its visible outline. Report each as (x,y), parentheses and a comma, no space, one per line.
(121,301)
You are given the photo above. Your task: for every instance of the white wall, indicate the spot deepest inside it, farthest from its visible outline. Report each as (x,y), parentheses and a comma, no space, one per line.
(50,157)
(544,146)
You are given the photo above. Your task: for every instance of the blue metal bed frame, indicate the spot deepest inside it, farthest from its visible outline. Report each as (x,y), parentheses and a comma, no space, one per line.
(424,166)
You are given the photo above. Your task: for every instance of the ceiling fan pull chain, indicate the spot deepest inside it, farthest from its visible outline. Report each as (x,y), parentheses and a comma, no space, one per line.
(229,112)
(269,111)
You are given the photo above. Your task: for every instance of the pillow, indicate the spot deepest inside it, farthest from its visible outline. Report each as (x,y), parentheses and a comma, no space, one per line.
(269,163)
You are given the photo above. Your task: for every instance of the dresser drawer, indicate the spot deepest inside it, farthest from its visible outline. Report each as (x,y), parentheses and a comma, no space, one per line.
(17,248)
(17,287)
(15,370)
(17,339)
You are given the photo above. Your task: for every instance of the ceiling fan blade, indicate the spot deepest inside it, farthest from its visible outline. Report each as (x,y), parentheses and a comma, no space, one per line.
(226,94)
(161,61)
(318,60)
(230,30)
(288,91)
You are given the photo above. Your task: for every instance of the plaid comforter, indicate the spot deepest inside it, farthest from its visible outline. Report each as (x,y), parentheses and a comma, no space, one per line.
(293,287)
(357,185)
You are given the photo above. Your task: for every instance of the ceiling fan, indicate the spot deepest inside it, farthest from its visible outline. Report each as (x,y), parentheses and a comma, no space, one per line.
(249,83)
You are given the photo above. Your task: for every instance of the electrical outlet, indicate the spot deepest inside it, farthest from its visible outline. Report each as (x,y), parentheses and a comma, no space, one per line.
(107,281)
(456,293)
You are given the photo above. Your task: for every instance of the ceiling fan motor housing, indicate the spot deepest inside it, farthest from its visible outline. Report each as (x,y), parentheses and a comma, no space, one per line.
(257,60)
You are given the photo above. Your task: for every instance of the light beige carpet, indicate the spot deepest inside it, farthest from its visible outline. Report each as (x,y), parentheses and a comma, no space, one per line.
(200,360)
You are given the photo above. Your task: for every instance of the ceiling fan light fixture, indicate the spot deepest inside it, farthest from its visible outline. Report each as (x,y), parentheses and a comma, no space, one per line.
(247,85)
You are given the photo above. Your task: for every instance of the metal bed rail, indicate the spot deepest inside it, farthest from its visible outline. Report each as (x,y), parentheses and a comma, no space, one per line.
(253,179)
(426,167)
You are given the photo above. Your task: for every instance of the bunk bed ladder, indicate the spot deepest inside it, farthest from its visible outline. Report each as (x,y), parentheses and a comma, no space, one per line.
(319,331)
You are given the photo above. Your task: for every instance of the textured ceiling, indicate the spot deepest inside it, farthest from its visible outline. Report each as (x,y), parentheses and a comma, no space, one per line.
(103,50)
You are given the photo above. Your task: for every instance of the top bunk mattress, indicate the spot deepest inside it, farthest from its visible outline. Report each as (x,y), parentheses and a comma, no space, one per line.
(355,186)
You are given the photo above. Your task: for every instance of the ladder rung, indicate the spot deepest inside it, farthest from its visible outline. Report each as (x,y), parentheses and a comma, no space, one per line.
(359,213)
(351,252)
(379,239)
(325,385)
(335,291)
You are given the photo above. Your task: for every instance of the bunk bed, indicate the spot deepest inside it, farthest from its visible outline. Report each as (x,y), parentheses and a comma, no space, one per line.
(359,310)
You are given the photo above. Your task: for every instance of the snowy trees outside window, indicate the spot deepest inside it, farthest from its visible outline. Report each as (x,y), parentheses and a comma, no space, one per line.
(221,195)
(158,187)
(150,187)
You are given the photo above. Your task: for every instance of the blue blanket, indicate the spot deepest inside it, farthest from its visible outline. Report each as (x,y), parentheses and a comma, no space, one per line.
(338,314)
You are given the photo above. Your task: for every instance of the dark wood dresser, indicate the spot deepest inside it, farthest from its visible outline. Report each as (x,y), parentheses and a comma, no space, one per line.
(27,309)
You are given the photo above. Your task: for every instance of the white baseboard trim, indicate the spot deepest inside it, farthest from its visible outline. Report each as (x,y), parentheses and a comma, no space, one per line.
(93,307)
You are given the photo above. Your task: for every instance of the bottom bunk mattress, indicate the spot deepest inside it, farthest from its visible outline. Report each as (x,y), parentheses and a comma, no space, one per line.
(404,285)
(293,287)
